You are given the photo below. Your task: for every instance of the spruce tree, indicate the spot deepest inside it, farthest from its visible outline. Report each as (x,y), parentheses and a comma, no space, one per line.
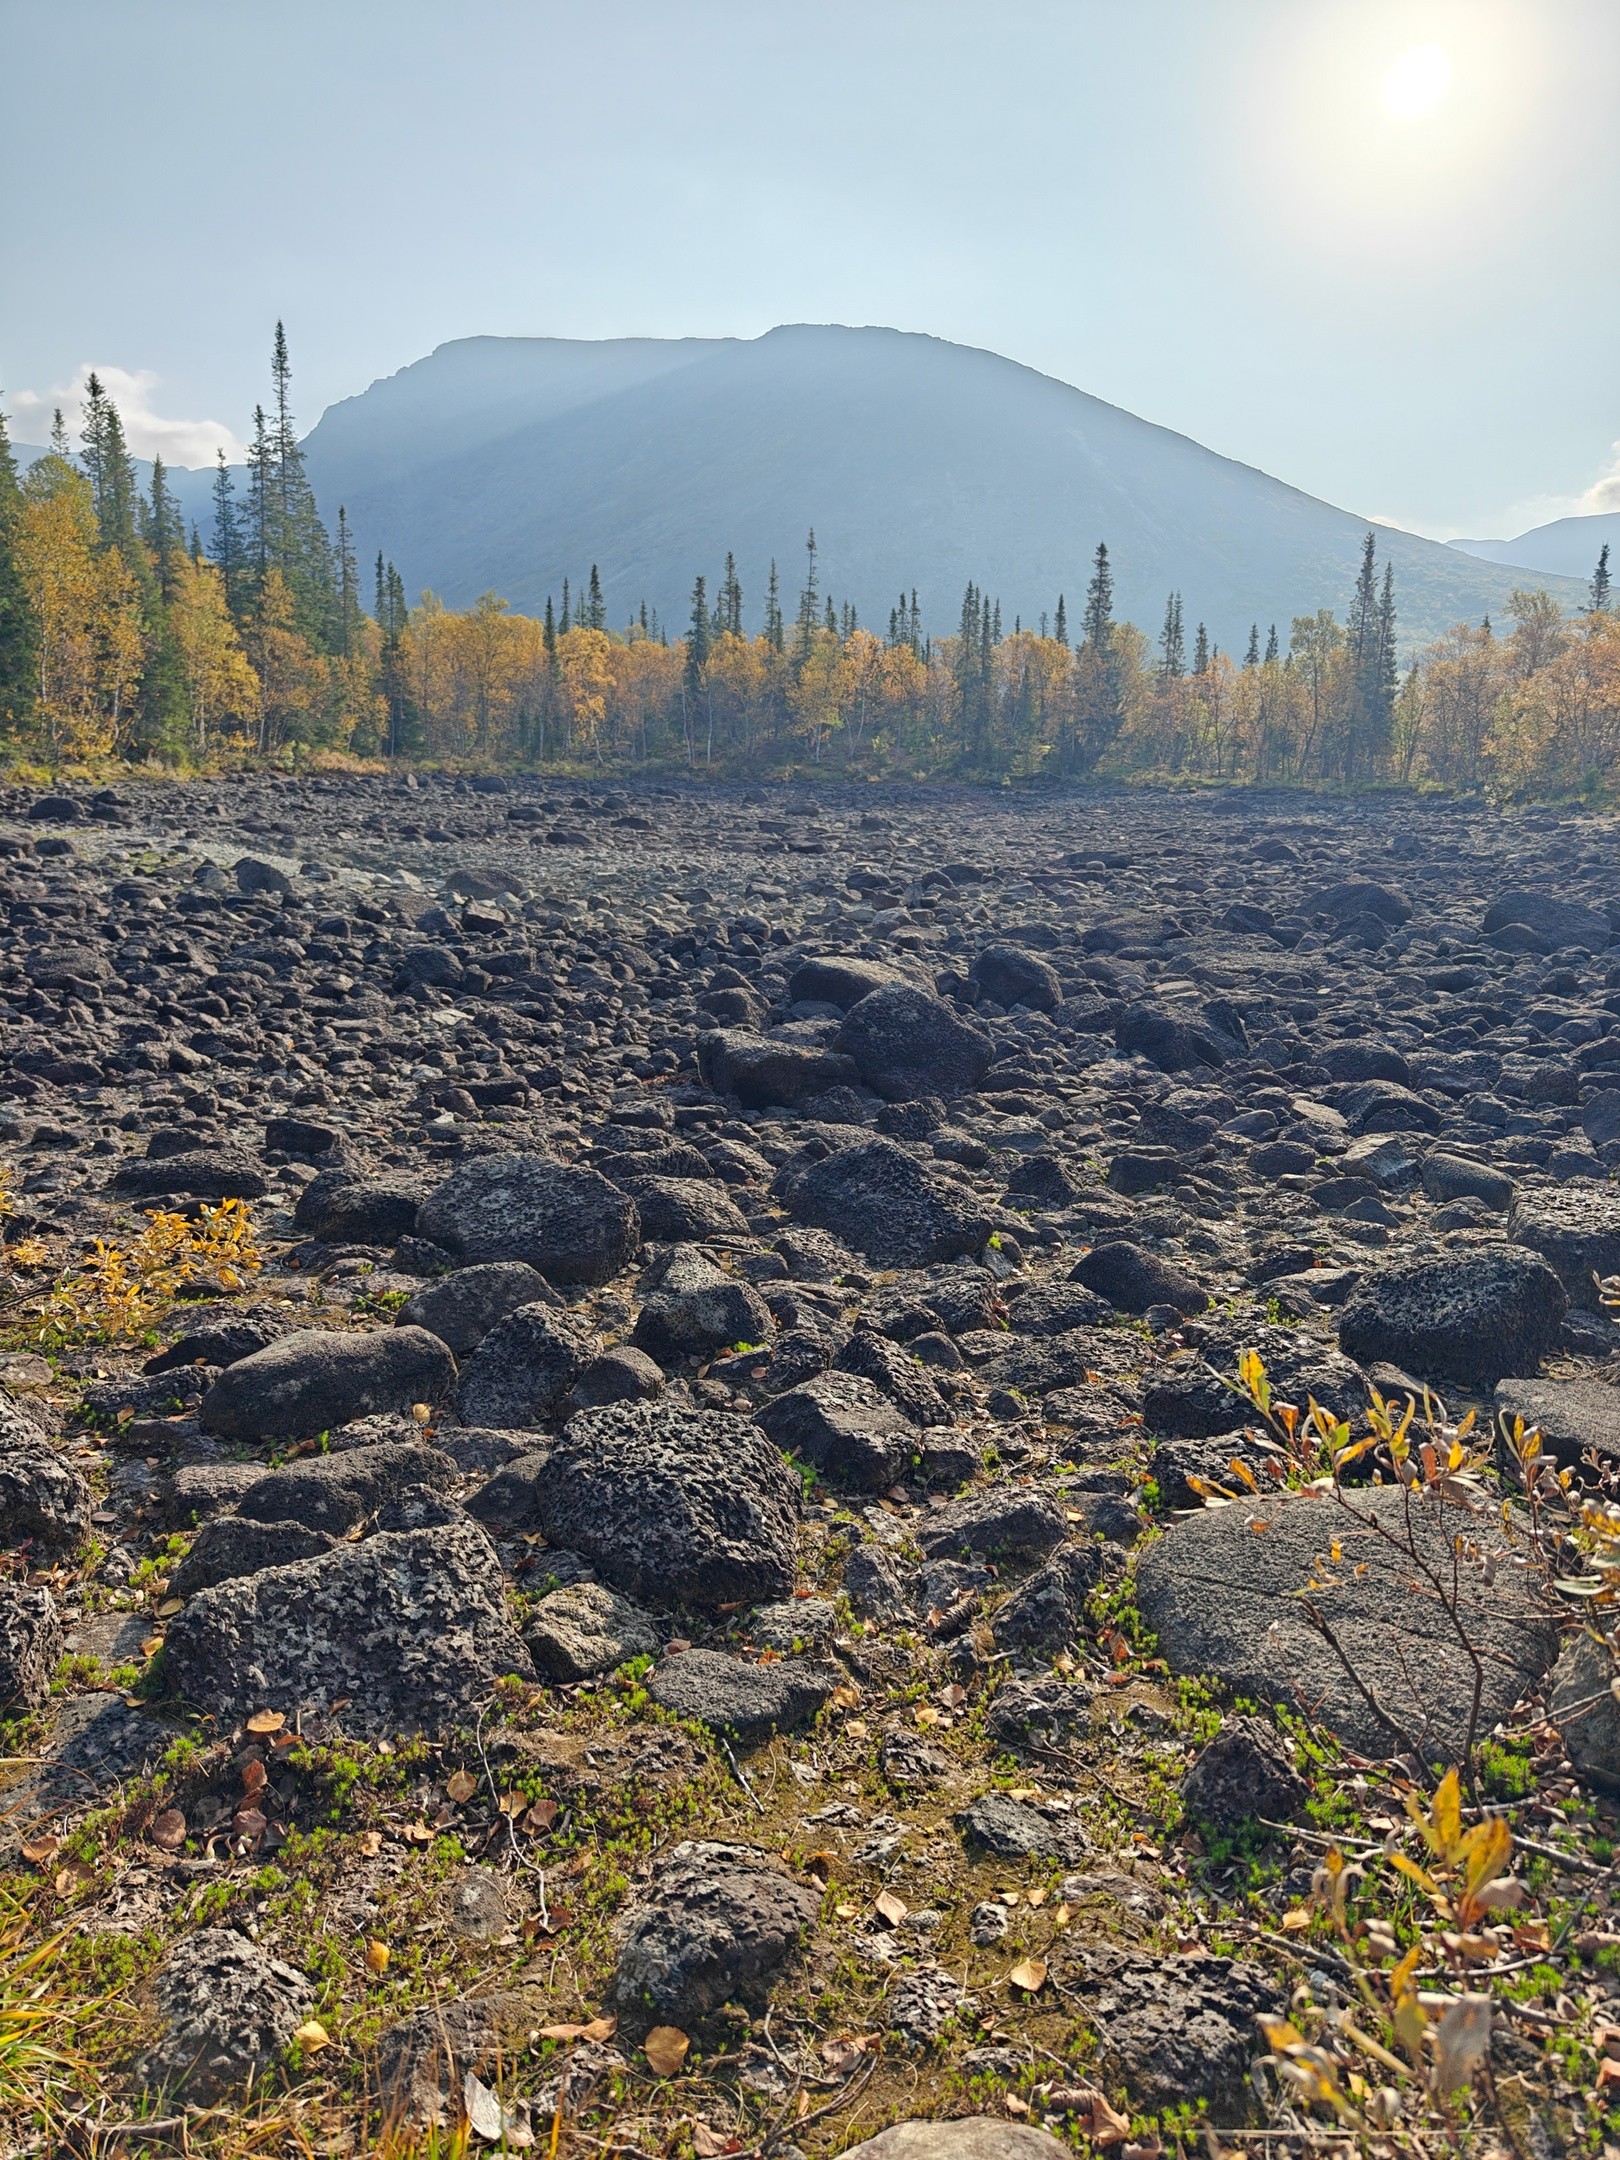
(697,641)
(1060,625)
(298,545)
(1272,647)
(1201,651)
(348,587)
(551,633)
(731,599)
(228,545)
(1099,615)
(1172,642)
(808,621)
(60,446)
(566,625)
(775,632)
(19,630)
(261,460)
(1251,659)
(164,531)
(595,614)
(1600,584)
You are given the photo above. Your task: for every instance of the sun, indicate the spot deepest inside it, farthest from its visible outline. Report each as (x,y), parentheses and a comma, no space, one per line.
(1417,82)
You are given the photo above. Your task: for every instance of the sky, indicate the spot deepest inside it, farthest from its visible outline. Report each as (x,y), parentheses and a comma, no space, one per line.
(1369,246)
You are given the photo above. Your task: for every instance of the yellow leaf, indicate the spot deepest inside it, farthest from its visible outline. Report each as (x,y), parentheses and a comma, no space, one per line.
(666,2048)
(313,2036)
(1030,1975)
(377,1957)
(169,1607)
(1297,1921)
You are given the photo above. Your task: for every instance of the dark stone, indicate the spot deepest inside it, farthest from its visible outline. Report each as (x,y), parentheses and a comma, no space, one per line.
(1454,1177)
(314,1381)
(299,1136)
(42,1496)
(1013,977)
(883,1203)
(229,2010)
(1014,1830)
(751,1702)
(1576,1230)
(908,1043)
(1474,1317)
(1132,1279)
(843,1427)
(462,1308)
(684,1210)
(567,1222)
(522,1369)
(1366,1061)
(1572,1416)
(692,1308)
(1559,922)
(336,1493)
(30,1645)
(1179,2030)
(623,1374)
(586,1629)
(222,1343)
(509,1501)
(838,981)
(370,1211)
(1042,1713)
(896,1374)
(1245,1772)
(761,1070)
(719,1924)
(232,1545)
(1345,902)
(209,1174)
(1006,1522)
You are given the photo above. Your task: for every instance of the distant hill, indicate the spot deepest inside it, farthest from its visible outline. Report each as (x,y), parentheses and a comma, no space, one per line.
(507,464)
(1569,547)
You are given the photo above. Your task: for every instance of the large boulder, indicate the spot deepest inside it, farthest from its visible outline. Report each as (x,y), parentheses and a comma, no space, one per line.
(684,1210)
(1222,1591)
(907,1043)
(1576,1230)
(880,1200)
(462,1308)
(566,1221)
(692,1308)
(1178,2030)
(1560,922)
(1584,1709)
(843,1427)
(368,1211)
(1572,1417)
(1245,1772)
(1473,1317)
(232,1545)
(837,981)
(206,1174)
(1174,1041)
(1011,976)
(718,1924)
(761,1070)
(674,1506)
(42,1496)
(229,2010)
(336,1493)
(408,1630)
(1346,901)
(522,1369)
(315,1380)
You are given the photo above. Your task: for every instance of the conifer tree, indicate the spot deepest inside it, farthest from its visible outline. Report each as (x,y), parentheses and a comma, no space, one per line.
(808,621)
(565,625)
(1172,642)
(164,531)
(228,545)
(1201,651)
(1272,647)
(1251,659)
(348,587)
(1060,625)
(594,615)
(1099,616)
(731,599)
(19,631)
(297,540)
(112,478)
(697,642)
(775,632)
(261,460)
(550,632)
(60,446)
(1600,584)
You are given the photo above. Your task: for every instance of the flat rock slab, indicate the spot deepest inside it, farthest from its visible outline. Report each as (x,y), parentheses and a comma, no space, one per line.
(1576,1229)
(750,1702)
(1571,1416)
(1222,1598)
(969,2137)
(1013,1830)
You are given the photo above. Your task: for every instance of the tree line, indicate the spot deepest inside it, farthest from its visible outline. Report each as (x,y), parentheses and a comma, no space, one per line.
(123,637)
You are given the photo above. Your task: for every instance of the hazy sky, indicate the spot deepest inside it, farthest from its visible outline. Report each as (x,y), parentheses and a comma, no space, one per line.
(1397,290)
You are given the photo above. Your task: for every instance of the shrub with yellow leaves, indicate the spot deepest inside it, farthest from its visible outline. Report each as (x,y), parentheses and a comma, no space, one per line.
(119,1290)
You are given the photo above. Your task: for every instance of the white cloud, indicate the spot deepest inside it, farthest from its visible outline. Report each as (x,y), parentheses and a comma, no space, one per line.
(149,434)
(1604,493)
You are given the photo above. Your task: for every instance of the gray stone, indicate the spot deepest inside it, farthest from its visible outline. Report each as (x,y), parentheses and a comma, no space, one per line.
(622,1374)
(1560,922)
(567,1222)
(761,1070)
(232,1545)
(1132,1279)
(838,981)
(1585,1711)
(968,2137)
(908,1043)
(1180,2029)
(1007,1522)
(408,1630)
(314,1381)
(719,1924)
(879,1200)
(199,1491)
(474,1905)
(843,1427)
(30,1644)
(462,1308)
(678,1210)
(1474,1317)
(369,1211)
(1576,1230)
(1048,1712)
(692,1308)
(1454,1177)
(1012,976)
(872,1584)
(208,1174)
(336,1493)
(750,1702)
(229,2011)
(674,1506)
(42,1496)
(1014,1830)
(508,1503)
(1572,1416)
(1224,1600)
(586,1629)
(1243,1773)
(522,1369)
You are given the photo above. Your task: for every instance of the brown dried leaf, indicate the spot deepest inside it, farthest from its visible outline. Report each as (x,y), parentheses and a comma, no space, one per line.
(602,2028)
(370,1844)
(254,1775)
(461,1785)
(265,1721)
(71,1877)
(40,1849)
(168,1832)
(542,1815)
(169,1607)
(666,2048)
(312,2036)
(890,1908)
(708,2144)
(1030,1975)
(249,1823)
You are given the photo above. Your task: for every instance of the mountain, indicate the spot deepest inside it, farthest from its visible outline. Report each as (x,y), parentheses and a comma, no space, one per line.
(191,486)
(1568,547)
(508,464)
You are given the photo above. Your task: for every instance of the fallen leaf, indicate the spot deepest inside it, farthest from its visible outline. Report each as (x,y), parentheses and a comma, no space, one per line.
(1025,1792)
(312,2036)
(370,1843)
(1013,2105)
(71,1877)
(169,1607)
(856,1729)
(602,2028)
(417,1833)
(41,1849)
(249,1823)
(254,1775)
(841,2056)
(168,1832)
(845,1912)
(890,1908)
(845,1698)
(926,1715)
(542,1815)
(376,1957)
(1063,1915)
(1039,1897)
(1462,2041)
(954,1696)
(665,2049)
(708,2144)
(1030,1975)
(513,1803)
(461,1785)
(1297,1921)
(152,1645)
(265,1721)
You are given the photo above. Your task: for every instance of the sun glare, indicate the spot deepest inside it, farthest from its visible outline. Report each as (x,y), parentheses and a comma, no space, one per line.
(1417,82)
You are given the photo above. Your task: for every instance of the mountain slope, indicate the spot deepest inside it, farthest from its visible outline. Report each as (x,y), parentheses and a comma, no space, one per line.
(508,464)
(1568,547)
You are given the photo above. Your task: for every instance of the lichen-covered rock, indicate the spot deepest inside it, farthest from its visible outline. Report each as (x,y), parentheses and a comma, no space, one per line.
(336,1493)
(315,1380)
(30,1644)
(1245,1772)
(719,1924)
(884,1203)
(522,1369)
(462,1308)
(692,1308)
(967,2137)
(843,1427)
(408,1630)
(565,1220)
(1576,1230)
(906,1042)
(229,2010)
(732,1695)
(232,1545)
(586,1629)
(42,1496)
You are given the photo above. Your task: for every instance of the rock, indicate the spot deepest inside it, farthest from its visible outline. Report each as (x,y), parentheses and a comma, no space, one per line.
(1576,1230)
(509,1501)
(750,1702)
(623,1374)
(1454,1177)
(922,2004)
(232,1545)
(843,1427)
(462,1308)
(221,1343)
(42,1496)
(253,876)
(424,2059)
(300,1136)
(1006,1522)
(1559,922)
(1171,1041)
(369,1211)
(883,1203)
(1047,1610)
(314,1381)
(896,1373)
(212,1174)
(336,1493)
(1243,1773)
(968,2137)
(1344,902)
(1600,1118)
(837,981)
(409,1630)
(1572,1416)
(1225,1601)
(719,1924)
(567,1222)
(1181,2029)
(1196,1398)
(474,1906)
(906,1043)
(1474,1317)
(1366,1061)
(229,2011)
(674,1506)
(199,1491)
(1132,1280)
(522,1369)
(1042,1713)
(1584,1709)
(1012,976)
(761,1070)
(692,1308)
(586,1629)
(30,1645)
(872,1584)
(1013,1830)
